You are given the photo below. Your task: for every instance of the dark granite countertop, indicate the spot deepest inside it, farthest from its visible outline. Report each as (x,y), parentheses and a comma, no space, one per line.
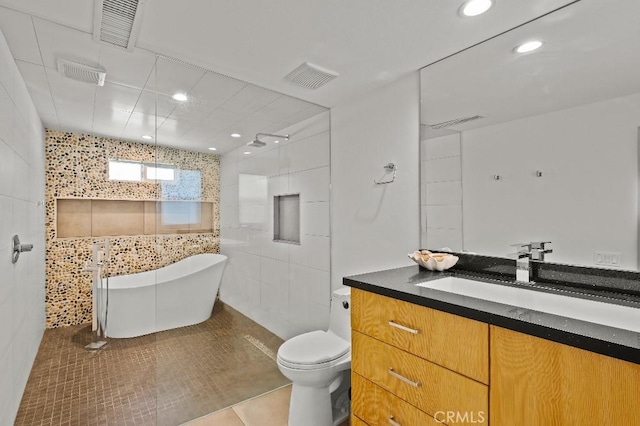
(400,283)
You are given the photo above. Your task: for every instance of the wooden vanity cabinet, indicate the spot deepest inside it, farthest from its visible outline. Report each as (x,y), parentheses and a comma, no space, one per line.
(539,382)
(413,365)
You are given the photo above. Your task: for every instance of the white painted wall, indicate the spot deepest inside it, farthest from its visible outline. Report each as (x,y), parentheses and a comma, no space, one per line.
(374,227)
(22,285)
(284,287)
(587,198)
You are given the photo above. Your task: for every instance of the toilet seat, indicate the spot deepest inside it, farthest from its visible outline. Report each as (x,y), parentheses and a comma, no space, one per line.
(313,350)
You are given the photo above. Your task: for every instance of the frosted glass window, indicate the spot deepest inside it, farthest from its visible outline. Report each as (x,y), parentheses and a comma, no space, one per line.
(124,170)
(180,213)
(286,217)
(160,173)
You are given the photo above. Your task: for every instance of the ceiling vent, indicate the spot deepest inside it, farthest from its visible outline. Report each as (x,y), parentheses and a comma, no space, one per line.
(81,72)
(117,22)
(453,122)
(311,76)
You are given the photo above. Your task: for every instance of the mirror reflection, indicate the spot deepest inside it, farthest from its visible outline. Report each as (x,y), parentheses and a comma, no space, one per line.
(539,145)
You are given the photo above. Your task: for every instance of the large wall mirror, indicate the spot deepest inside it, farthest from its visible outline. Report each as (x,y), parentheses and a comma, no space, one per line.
(538,146)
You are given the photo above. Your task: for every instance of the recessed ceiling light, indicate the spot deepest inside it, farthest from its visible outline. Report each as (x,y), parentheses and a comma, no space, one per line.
(179,96)
(247,152)
(148,137)
(529,46)
(475,7)
(276,141)
(213,149)
(235,135)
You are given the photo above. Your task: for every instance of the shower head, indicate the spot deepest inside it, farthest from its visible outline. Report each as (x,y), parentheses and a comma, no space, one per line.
(259,144)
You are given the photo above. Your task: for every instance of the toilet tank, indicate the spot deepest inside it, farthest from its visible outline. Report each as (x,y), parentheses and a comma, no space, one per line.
(340,319)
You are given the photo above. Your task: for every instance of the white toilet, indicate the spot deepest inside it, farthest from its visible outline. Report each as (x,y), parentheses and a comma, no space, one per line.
(318,363)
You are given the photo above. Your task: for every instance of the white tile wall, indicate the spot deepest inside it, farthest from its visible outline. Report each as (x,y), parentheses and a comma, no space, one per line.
(441,193)
(284,287)
(22,286)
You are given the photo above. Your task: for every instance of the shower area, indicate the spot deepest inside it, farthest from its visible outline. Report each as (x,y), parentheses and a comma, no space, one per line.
(127,215)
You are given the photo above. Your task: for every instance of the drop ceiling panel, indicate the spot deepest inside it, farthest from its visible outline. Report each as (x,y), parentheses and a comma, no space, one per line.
(217,89)
(173,128)
(18,30)
(250,99)
(195,109)
(127,68)
(141,124)
(57,41)
(116,96)
(109,121)
(151,104)
(251,125)
(201,135)
(65,90)
(281,108)
(73,13)
(221,119)
(74,116)
(171,76)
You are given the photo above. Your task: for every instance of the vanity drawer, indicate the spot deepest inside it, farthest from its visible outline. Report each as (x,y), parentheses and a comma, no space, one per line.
(460,344)
(376,406)
(421,383)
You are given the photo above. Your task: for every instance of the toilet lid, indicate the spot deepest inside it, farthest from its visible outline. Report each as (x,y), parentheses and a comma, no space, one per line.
(315,347)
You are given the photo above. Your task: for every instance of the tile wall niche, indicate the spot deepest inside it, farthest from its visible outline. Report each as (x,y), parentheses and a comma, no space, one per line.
(285,287)
(77,168)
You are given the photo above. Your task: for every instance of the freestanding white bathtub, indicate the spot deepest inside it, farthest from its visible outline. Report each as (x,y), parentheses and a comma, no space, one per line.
(176,295)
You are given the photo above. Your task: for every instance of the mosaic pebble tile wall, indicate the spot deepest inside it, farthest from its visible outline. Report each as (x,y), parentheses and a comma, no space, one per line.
(77,167)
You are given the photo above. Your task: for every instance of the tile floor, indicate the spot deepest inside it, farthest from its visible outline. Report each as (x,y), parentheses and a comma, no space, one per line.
(270,409)
(168,378)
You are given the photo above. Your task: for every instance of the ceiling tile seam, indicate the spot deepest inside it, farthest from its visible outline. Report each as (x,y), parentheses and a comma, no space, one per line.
(32,15)
(46,73)
(155,130)
(149,50)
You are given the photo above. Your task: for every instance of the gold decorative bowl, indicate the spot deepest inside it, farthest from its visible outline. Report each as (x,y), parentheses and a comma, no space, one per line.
(434,261)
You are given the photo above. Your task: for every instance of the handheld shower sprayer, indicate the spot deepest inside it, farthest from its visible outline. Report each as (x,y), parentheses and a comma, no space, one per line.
(259,144)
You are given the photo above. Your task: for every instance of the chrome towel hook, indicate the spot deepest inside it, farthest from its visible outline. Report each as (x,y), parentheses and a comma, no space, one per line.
(390,167)
(19,248)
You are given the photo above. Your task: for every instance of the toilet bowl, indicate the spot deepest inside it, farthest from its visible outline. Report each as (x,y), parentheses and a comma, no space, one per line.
(318,363)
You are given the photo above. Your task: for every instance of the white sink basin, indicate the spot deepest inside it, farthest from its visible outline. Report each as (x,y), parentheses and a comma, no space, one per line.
(624,317)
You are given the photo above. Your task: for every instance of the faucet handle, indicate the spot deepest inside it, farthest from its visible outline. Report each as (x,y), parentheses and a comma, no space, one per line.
(522,249)
(540,245)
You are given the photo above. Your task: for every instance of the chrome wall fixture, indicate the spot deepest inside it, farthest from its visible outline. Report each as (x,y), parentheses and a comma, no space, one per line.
(390,167)
(257,143)
(19,248)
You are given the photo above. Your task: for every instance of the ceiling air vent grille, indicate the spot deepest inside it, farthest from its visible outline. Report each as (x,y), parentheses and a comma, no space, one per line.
(453,122)
(310,76)
(80,72)
(117,22)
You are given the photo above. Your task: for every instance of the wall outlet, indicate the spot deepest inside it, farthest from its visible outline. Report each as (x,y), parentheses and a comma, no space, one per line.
(607,258)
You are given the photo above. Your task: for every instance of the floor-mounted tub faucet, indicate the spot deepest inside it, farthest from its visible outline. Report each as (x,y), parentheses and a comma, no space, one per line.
(527,252)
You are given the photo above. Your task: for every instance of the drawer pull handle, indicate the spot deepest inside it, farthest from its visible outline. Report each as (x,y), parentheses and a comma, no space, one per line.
(404,379)
(393,422)
(404,328)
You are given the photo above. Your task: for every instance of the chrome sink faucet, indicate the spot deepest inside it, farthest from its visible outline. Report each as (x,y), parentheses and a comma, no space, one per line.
(527,252)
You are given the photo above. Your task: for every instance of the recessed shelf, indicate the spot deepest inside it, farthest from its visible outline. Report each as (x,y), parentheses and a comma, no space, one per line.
(286,218)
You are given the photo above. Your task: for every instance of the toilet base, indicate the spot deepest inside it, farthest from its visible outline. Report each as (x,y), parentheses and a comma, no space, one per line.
(319,406)
(310,406)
